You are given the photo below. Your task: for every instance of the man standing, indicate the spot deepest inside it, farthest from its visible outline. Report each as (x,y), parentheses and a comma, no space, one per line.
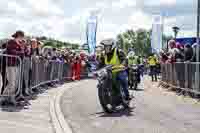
(13,67)
(152,61)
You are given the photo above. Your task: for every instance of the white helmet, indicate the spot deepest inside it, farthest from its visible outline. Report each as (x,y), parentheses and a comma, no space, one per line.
(109,42)
(131,54)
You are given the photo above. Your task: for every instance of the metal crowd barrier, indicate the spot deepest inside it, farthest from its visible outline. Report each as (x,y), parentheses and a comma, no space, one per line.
(10,76)
(181,75)
(21,75)
(43,72)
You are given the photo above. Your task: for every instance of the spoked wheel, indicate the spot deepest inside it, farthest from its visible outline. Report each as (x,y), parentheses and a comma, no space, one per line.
(105,98)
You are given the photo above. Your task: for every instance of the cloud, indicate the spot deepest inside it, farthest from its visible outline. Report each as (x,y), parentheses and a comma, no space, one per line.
(66,20)
(123,3)
(160,2)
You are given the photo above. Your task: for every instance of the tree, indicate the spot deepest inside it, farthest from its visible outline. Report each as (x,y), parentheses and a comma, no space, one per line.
(139,41)
(120,41)
(49,43)
(126,40)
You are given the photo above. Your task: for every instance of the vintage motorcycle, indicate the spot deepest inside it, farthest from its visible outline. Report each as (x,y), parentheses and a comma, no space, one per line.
(110,91)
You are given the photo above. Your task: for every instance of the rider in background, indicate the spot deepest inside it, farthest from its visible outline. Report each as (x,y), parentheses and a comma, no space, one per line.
(115,57)
(134,60)
(153,61)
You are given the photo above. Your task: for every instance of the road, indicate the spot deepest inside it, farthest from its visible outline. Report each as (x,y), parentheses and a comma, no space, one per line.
(155,110)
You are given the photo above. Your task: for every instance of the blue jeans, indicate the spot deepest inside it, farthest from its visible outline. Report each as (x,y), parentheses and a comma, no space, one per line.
(122,77)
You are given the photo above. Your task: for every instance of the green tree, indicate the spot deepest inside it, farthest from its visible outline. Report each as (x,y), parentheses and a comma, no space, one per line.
(138,40)
(120,41)
(49,43)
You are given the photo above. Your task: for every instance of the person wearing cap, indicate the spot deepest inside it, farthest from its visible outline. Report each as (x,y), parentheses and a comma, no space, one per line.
(12,71)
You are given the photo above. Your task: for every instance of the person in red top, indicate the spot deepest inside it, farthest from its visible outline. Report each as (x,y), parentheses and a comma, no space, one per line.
(12,70)
(77,68)
(73,66)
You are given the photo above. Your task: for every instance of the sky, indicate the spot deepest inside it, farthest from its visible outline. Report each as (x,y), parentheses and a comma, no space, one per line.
(66,19)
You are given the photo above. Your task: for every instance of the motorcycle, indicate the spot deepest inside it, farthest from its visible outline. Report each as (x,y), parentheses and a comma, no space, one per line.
(110,93)
(133,77)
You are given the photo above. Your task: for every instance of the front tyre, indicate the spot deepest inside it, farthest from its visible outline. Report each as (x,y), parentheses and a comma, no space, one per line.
(104,99)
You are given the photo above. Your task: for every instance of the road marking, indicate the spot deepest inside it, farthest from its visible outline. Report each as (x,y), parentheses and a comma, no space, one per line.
(57,117)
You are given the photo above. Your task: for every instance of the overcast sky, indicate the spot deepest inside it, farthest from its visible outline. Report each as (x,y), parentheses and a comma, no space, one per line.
(66,19)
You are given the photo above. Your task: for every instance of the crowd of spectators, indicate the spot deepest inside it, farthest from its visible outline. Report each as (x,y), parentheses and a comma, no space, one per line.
(178,53)
(29,50)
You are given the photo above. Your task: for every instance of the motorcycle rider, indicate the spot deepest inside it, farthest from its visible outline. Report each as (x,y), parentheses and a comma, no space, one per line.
(134,60)
(115,56)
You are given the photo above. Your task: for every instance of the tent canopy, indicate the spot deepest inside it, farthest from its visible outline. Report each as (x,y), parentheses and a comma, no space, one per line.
(187,40)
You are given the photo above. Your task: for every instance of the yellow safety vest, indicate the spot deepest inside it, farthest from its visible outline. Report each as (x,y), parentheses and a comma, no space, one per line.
(133,60)
(114,60)
(152,61)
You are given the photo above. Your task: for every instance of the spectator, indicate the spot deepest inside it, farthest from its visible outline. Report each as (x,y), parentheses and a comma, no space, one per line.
(77,68)
(188,52)
(163,57)
(35,48)
(12,71)
(194,59)
(73,65)
(179,55)
(54,54)
(26,69)
(172,51)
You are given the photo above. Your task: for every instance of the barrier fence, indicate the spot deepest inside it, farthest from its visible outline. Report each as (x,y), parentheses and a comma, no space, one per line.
(19,76)
(10,75)
(181,76)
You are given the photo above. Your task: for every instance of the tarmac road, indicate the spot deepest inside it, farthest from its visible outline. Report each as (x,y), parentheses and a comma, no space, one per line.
(155,110)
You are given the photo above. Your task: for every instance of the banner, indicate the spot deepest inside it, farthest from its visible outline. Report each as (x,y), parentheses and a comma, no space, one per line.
(91,34)
(157,34)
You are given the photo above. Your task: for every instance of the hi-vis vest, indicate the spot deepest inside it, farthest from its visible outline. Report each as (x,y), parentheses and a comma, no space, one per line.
(152,61)
(114,60)
(133,60)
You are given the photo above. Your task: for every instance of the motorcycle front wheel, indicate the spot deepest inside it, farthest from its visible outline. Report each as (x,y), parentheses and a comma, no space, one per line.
(105,99)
